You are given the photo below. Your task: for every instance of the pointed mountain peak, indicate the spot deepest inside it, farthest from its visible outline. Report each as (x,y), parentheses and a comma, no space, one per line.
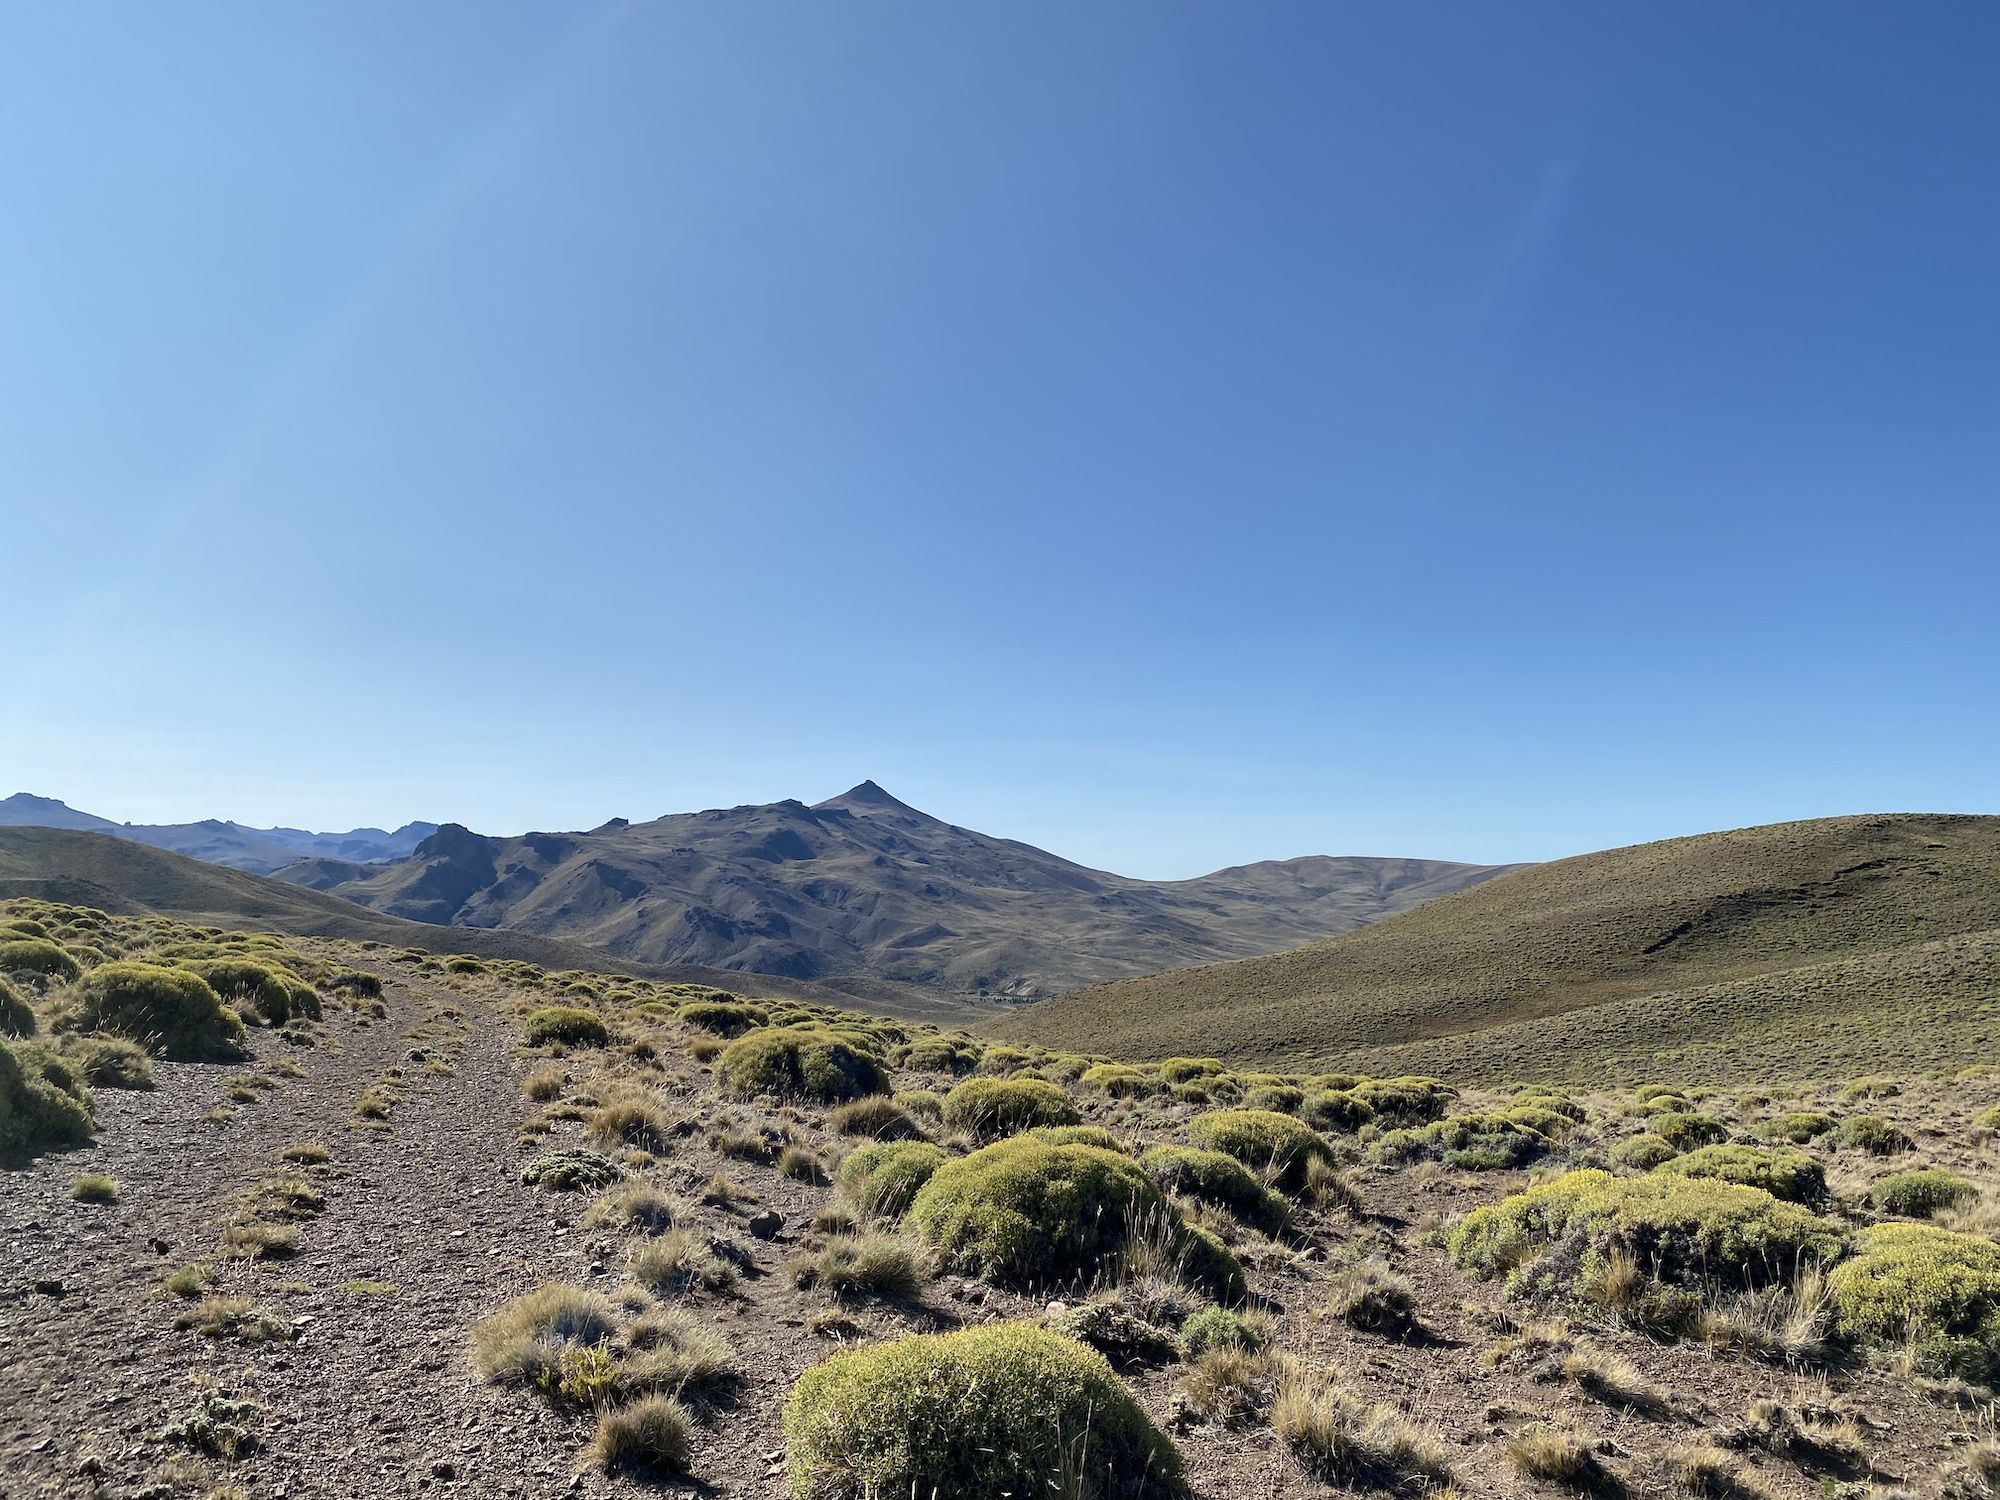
(868,794)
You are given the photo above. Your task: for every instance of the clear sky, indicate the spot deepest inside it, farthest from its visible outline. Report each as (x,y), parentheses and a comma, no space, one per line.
(1172,434)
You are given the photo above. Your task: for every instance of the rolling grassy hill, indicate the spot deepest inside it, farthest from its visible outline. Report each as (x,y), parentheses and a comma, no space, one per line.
(1794,950)
(119,876)
(863,884)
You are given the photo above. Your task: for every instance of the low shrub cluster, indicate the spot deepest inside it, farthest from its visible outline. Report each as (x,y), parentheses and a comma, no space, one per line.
(1790,1175)
(172,1013)
(801,1062)
(726,1018)
(44,1103)
(989,1109)
(564,1024)
(1930,1290)
(1219,1179)
(1005,1409)
(1262,1138)
(1472,1143)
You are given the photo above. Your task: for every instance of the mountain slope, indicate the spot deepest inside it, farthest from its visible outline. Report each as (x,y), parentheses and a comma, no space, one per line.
(1765,945)
(117,875)
(258,849)
(864,884)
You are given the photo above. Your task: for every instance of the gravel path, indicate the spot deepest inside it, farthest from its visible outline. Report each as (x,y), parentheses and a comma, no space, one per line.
(372,1395)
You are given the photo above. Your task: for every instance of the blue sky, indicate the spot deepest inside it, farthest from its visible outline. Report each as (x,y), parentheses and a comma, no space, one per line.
(1171,434)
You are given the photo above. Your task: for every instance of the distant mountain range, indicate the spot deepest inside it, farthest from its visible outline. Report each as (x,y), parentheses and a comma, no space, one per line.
(865,885)
(260,850)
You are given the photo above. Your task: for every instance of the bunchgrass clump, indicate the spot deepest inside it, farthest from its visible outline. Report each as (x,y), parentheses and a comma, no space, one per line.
(95,1187)
(44,1103)
(170,1012)
(801,1062)
(1261,1138)
(1340,1438)
(648,1438)
(526,1338)
(881,1179)
(871,1264)
(566,1025)
(1004,1409)
(1920,1194)
(1874,1135)
(989,1109)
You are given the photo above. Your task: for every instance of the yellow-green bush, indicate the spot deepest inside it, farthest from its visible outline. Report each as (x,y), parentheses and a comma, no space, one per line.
(1076,1135)
(1407,1100)
(1798,1128)
(1919,1194)
(1472,1143)
(17,1017)
(1558,1237)
(1928,1289)
(1261,1138)
(1028,1213)
(43,1101)
(990,1108)
(884,1177)
(30,955)
(565,1024)
(801,1062)
(1335,1109)
(727,1018)
(1790,1175)
(1990,1120)
(1642,1152)
(278,994)
(1119,1080)
(941,1054)
(1874,1135)
(1182,1069)
(1005,1409)
(1684,1131)
(170,1012)
(1212,1177)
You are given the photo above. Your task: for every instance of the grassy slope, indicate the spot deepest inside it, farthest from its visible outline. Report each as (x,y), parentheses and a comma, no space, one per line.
(1790,950)
(120,876)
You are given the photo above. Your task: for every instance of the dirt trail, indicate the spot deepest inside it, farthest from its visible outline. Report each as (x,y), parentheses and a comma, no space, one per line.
(373,1395)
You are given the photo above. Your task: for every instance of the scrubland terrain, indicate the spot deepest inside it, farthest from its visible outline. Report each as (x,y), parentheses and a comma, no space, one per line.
(310,1216)
(1791,950)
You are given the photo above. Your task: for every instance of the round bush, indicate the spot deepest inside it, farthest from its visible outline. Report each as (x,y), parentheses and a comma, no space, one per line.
(170,1012)
(989,1108)
(1216,1327)
(1279,1097)
(1684,1131)
(1642,1152)
(1183,1069)
(1212,1177)
(43,1103)
(565,1024)
(278,994)
(1118,1080)
(1004,1409)
(1798,1128)
(1790,1175)
(1874,1135)
(1077,1135)
(1407,1100)
(1263,1139)
(1472,1143)
(1918,1195)
(1337,1110)
(17,1017)
(724,1017)
(20,927)
(1936,1292)
(1028,1213)
(38,956)
(1684,1230)
(882,1179)
(802,1062)
(941,1054)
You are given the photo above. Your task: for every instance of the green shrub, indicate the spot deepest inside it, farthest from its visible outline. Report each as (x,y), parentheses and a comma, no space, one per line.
(1280,1097)
(724,1017)
(17,1017)
(109,1062)
(1213,1177)
(1559,1237)
(1874,1135)
(1472,1143)
(1684,1132)
(170,1012)
(1028,1213)
(1336,1110)
(22,927)
(1790,1175)
(1406,1101)
(38,956)
(1000,1060)
(1798,1129)
(564,1024)
(43,1102)
(941,1054)
(1642,1152)
(804,1062)
(1918,1195)
(1005,1409)
(1990,1120)
(1118,1080)
(989,1108)
(1936,1292)
(1077,1135)
(1214,1327)
(882,1179)
(278,994)
(1182,1069)
(1263,1139)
